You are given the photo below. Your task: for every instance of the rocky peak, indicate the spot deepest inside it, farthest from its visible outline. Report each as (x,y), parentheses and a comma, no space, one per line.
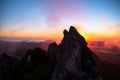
(52,51)
(65,32)
(73,58)
(79,37)
(73,30)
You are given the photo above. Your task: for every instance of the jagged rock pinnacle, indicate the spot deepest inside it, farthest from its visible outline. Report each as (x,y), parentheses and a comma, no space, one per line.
(65,32)
(73,58)
(72,29)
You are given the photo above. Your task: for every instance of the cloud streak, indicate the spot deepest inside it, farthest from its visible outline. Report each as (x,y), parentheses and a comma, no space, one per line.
(59,11)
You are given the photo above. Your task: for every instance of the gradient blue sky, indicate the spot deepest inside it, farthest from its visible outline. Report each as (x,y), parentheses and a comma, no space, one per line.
(52,16)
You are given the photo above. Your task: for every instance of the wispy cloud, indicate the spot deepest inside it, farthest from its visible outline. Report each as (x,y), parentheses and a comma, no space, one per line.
(60,10)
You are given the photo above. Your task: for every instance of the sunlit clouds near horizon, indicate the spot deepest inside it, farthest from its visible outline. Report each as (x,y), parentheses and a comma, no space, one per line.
(48,18)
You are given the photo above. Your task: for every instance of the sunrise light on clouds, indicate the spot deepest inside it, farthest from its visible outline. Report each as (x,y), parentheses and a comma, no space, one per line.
(48,18)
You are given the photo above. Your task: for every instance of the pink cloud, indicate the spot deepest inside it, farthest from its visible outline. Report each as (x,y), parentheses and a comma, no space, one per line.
(118,27)
(60,10)
(112,27)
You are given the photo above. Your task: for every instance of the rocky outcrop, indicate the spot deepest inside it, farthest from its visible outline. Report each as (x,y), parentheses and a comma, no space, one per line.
(70,60)
(7,65)
(73,58)
(35,65)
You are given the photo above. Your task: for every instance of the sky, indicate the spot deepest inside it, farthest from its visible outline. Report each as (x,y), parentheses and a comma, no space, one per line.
(48,18)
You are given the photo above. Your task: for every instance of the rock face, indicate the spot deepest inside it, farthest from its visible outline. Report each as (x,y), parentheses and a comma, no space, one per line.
(73,58)
(70,60)
(33,66)
(7,65)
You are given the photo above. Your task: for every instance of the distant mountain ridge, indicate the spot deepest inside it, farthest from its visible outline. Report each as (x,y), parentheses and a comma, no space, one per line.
(18,49)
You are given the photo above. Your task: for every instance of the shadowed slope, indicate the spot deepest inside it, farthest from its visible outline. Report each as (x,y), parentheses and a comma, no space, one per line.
(73,58)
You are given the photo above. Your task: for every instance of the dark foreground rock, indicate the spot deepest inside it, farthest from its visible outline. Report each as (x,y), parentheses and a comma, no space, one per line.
(7,65)
(70,60)
(35,65)
(73,58)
